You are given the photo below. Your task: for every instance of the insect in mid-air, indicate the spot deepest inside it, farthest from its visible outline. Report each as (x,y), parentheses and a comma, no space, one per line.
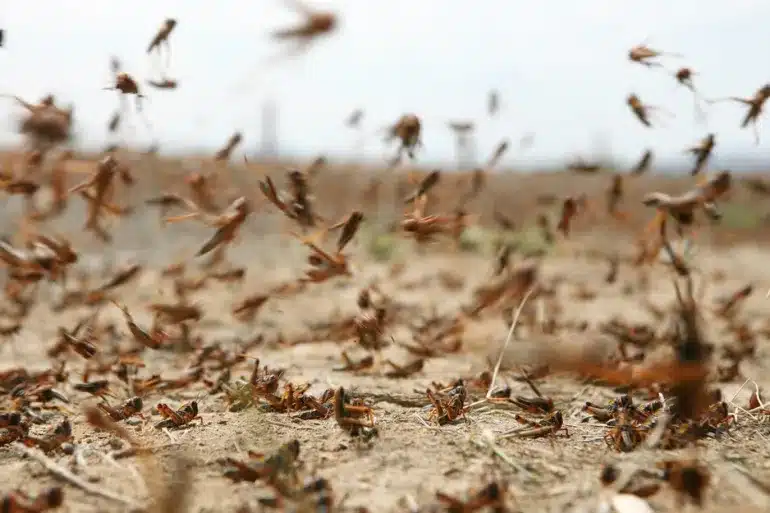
(317,23)
(755,105)
(161,38)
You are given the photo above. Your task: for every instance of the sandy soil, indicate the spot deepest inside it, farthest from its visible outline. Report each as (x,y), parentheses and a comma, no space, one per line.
(412,457)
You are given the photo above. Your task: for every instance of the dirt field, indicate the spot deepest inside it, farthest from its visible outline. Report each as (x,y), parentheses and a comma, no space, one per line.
(411,457)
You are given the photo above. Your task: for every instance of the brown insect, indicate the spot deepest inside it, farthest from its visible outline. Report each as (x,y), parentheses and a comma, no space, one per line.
(81,345)
(730,303)
(450,407)
(643,55)
(20,502)
(349,417)
(626,435)
(369,327)
(98,388)
(129,408)
(407,130)
(153,339)
(614,197)
(102,183)
(641,487)
(580,165)
(161,38)
(425,228)
(268,468)
(684,77)
(492,496)
(61,434)
(426,184)
(164,83)
(298,208)
(229,275)
(351,365)
(176,314)
(503,259)
(227,150)
(642,111)
(184,415)
(644,163)
(45,124)
(533,404)
(125,85)
(612,272)
(549,425)
(755,104)
(569,209)
(122,277)
(249,307)
(688,478)
(227,223)
(326,265)
(756,185)
(682,208)
(702,152)
(404,371)
(317,23)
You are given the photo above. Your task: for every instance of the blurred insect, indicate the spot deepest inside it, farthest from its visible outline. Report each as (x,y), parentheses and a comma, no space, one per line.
(354,119)
(549,425)
(98,200)
(326,265)
(500,150)
(226,151)
(756,185)
(493,102)
(268,468)
(114,122)
(161,38)
(20,502)
(427,183)
(684,76)
(569,210)
(614,197)
(642,111)
(125,84)
(682,208)
(580,165)
(407,130)
(644,163)
(153,339)
(491,497)
(129,408)
(317,23)
(755,105)
(642,54)
(99,388)
(687,478)
(165,83)
(702,152)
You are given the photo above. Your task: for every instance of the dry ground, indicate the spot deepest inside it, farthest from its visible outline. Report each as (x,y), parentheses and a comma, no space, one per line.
(410,457)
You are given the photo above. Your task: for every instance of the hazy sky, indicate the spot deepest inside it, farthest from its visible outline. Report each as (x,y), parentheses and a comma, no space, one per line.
(560,65)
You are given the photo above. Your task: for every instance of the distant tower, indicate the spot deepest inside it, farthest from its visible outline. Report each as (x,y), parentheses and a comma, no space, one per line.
(269,140)
(465,145)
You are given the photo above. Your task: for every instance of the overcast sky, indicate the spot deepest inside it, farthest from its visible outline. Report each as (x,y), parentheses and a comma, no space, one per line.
(561,67)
